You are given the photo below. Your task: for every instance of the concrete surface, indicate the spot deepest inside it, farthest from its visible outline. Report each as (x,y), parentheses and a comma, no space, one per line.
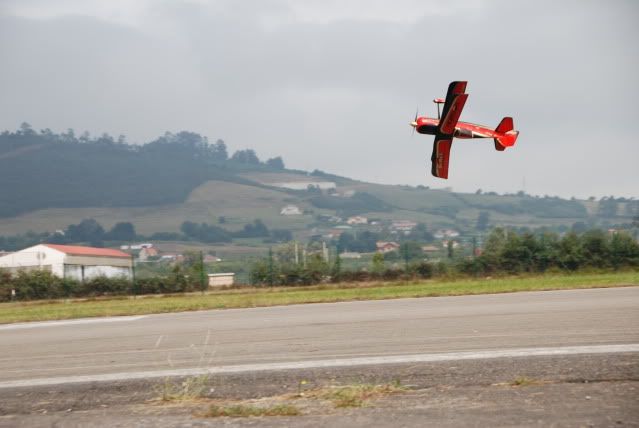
(321,331)
(581,389)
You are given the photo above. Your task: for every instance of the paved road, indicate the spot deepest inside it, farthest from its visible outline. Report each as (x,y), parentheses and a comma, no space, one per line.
(319,331)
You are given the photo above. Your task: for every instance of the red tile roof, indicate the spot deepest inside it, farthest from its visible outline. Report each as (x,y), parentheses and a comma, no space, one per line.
(77,250)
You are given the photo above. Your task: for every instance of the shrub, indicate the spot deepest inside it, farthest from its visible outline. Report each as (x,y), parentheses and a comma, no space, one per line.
(101,286)
(37,284)
(423,269)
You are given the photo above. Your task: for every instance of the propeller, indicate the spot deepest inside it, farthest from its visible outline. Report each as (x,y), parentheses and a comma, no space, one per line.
(414,122)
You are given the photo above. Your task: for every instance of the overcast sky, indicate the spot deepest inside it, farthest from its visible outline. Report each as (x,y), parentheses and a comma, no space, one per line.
(333,85)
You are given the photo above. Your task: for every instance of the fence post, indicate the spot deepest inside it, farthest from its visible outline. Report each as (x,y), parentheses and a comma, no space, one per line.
(270,266)
(134,285)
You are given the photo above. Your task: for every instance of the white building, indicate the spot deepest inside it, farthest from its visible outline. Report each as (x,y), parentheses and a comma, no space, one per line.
(303,185)
(70,261)
(147,252)
(403,225)
(136,246)
(291,210)
(221,279)
(357,219)
(446,233)
(386,247)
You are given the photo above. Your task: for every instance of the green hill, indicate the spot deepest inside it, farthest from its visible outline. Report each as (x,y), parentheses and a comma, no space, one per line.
(52,180)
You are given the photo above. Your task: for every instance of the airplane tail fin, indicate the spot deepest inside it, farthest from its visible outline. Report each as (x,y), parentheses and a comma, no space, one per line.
(509,136)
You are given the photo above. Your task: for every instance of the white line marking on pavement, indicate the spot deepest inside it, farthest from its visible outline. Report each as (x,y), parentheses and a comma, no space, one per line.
(345,362)
(24,325)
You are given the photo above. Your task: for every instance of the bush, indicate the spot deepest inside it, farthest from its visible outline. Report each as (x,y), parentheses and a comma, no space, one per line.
(423,269)
(391,274)
(37,284)
(103,286)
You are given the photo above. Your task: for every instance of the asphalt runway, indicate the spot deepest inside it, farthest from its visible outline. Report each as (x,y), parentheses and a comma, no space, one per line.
(603,319)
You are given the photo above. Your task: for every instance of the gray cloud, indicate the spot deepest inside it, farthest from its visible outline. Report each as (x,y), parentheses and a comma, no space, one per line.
(334,89)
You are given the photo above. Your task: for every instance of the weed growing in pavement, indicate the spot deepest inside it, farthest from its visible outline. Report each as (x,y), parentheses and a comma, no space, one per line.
(243,411)
(300,387)
(191,388)
(354,395)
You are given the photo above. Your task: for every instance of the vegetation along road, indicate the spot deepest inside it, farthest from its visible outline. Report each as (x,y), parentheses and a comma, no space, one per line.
(265,296)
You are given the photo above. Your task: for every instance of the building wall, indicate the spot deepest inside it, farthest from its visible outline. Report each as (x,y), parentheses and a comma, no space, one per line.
(111,267)
(97,261)
(66,266)
(78,272)
(36,257)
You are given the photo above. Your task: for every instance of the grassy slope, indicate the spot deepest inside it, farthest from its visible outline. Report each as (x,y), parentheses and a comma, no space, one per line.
(38,311)
(239,203)
(242,203)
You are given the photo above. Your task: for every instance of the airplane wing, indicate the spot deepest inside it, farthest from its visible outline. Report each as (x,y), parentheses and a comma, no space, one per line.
(453,106)
(440,156)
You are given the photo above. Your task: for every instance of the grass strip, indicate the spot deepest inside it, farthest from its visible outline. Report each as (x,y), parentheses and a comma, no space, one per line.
(57,310)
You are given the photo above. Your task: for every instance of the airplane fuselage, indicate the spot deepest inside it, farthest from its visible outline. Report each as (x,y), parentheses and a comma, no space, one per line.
(465,130)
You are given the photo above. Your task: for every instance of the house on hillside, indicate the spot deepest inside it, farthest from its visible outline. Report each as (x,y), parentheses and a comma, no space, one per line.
(446,233)
(303,185)
(172,258)
(136,246)
(147,253)
(430,249)
(291,210)
(455,244)
(357,219)
(386,247)
(403,226)
(70,261)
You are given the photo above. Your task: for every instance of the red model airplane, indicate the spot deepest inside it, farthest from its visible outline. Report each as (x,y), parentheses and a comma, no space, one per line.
(447,126)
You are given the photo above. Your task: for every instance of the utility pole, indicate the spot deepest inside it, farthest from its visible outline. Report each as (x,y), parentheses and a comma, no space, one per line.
(134,285)
(202,276)
(405,254)
(297,257)
(337,266)
(474,246)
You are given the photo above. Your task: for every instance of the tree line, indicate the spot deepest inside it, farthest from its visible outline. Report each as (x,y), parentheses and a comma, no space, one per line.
(91,232)
(505,252)
(508,252)
(45,170)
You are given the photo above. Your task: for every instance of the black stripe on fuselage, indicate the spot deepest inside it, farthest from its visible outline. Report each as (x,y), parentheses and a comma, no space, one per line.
(427,129)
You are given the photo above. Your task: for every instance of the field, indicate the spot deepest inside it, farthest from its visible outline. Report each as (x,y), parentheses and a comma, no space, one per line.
(237,202)
(257,297)
(242,203)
